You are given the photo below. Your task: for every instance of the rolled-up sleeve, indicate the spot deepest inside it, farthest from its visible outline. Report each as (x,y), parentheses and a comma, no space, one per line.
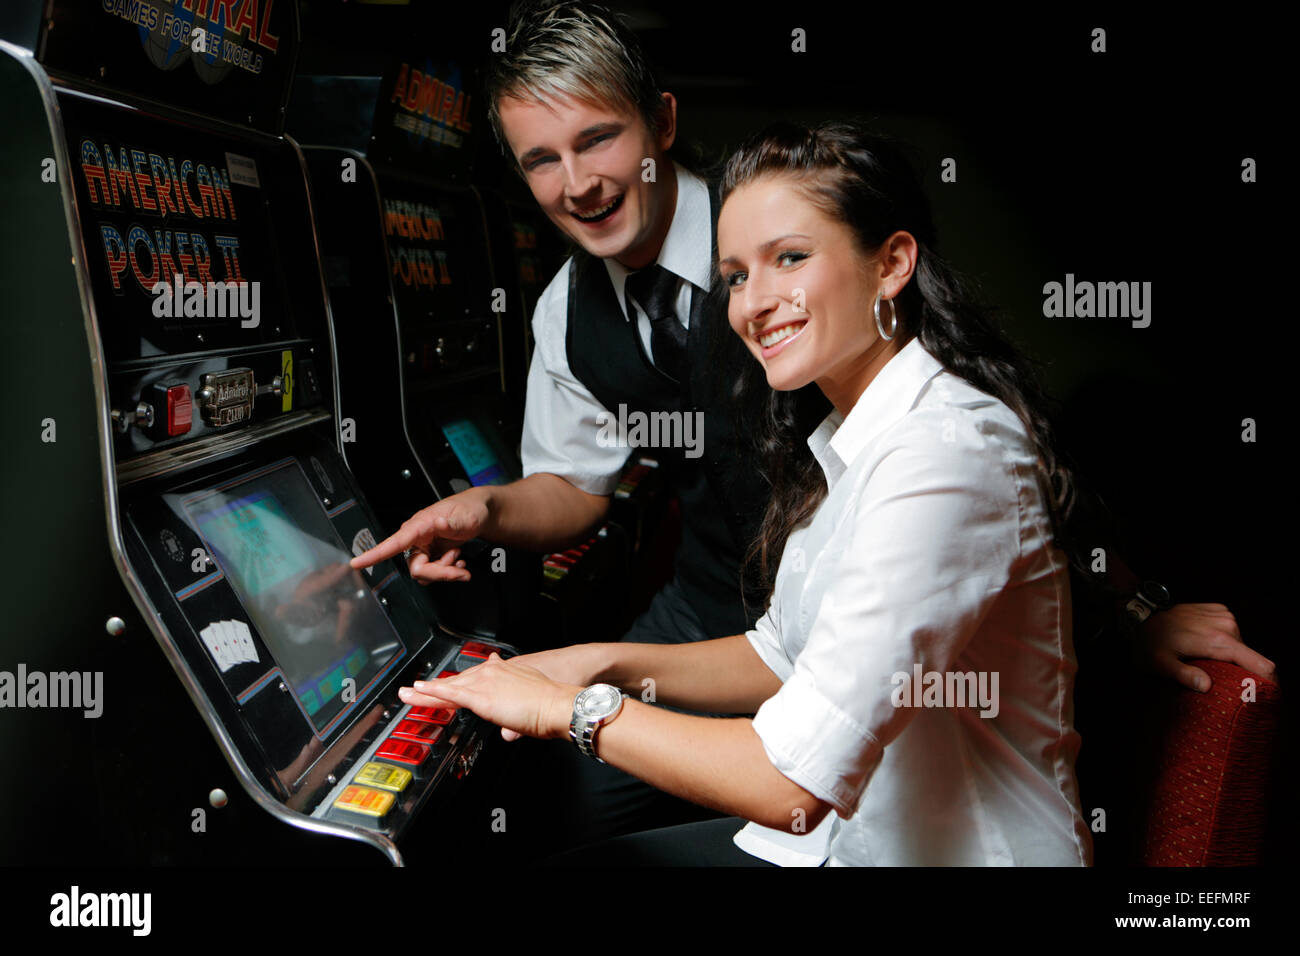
(929,536)
(562,419)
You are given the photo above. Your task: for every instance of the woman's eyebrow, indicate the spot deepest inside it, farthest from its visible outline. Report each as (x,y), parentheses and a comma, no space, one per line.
(769,244)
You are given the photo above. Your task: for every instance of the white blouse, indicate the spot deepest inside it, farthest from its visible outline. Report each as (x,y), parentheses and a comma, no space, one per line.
(921,627)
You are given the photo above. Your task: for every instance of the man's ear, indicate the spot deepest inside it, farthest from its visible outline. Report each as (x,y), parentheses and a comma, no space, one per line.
(666,126)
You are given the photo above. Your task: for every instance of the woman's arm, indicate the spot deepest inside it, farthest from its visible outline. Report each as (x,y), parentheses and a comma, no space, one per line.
(716,762)
(724,675)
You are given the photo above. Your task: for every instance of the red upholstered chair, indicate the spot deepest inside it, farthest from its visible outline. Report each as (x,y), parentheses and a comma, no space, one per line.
(1212,773)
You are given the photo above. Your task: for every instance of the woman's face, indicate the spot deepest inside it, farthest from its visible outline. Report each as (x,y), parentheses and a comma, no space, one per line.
(801,290)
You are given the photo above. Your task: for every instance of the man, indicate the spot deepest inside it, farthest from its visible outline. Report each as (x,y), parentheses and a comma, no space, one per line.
(623,324)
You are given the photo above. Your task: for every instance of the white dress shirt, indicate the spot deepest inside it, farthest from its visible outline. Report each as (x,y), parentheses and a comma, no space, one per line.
(932,548)
(560,413)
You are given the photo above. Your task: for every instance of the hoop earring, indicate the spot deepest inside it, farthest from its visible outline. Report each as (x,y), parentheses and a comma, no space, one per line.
(893,318)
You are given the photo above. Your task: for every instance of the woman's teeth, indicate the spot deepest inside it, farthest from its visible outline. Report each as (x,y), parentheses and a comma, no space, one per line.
(601,212)
(784,332)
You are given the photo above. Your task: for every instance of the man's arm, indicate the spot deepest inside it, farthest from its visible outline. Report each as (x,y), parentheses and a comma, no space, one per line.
(1169,638)
(542,512)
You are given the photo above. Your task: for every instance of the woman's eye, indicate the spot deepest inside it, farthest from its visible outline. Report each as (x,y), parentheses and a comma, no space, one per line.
(791,257)
(538,162)
(731,280)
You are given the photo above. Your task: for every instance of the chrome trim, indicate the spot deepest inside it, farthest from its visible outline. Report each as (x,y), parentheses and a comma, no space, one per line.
(117,546)
(166,460)
(324,292)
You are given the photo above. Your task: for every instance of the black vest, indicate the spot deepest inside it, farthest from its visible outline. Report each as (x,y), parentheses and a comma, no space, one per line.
(721,494)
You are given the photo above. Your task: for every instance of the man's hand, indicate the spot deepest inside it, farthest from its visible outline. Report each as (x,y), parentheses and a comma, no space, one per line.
(433,536)
(519,699)
(1189,631)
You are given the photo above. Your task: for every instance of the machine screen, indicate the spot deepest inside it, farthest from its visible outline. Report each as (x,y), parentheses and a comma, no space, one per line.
(474,453)
(290,570)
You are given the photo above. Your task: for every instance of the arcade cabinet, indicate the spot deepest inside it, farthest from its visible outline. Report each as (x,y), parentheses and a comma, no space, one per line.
(193,672)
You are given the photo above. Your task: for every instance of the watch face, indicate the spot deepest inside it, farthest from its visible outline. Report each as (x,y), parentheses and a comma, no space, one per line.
(1155,593)
(598,701)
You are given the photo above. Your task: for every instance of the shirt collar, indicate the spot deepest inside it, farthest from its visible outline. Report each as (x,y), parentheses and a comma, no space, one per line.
(838,440)
(687,251)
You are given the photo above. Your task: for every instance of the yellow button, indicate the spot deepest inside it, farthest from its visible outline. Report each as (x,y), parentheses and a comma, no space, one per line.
(383,775)
(373,803)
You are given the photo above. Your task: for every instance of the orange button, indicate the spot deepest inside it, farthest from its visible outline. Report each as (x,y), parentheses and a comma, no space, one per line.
(373,803)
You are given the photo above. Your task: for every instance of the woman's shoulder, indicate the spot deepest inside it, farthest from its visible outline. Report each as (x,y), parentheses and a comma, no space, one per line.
(957,438)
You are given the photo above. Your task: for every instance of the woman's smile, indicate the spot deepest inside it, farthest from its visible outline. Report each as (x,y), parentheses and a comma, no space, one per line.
(774,340)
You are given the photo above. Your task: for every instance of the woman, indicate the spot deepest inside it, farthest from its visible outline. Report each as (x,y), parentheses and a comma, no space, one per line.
(913,672)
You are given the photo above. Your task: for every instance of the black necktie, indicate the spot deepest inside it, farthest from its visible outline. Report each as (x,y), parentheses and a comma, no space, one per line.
(655,290)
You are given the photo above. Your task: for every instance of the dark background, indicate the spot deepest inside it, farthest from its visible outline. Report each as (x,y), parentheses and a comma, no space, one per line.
(1121,166)
(1115,166)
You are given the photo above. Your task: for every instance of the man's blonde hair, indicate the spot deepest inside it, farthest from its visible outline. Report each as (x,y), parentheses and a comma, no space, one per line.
(570,49)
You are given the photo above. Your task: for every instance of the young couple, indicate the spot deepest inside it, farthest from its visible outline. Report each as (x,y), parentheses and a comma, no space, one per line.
(902,513)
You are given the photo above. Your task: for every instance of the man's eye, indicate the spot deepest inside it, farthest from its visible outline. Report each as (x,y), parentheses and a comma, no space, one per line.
(791,257)
(599,139)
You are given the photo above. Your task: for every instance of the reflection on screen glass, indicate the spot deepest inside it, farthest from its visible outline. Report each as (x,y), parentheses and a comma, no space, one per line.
(288,566)
(474,453)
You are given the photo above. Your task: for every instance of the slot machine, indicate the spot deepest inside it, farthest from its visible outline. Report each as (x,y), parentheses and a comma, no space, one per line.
(431,280)
(192,672)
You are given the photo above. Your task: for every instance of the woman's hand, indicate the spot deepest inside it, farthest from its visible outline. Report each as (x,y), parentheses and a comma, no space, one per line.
(521,700)
(1189,631)
(580,664)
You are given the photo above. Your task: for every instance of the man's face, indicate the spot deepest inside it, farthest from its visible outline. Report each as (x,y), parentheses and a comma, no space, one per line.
(584,164)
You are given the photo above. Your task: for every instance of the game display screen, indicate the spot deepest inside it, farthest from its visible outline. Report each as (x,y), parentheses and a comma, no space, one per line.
(290,570)
(474,453)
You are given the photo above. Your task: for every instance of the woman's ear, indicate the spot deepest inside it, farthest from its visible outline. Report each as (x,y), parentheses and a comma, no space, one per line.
(898,255)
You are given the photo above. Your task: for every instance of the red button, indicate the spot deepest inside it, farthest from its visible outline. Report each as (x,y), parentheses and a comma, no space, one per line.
(180,409)
(418,730)
(476,649)
(439,716)
(403,751)
(446,674)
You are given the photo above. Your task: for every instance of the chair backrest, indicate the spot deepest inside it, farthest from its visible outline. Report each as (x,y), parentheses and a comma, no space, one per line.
(1213,772)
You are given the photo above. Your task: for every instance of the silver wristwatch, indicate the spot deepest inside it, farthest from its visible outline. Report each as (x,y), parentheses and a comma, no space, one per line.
(592,709)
